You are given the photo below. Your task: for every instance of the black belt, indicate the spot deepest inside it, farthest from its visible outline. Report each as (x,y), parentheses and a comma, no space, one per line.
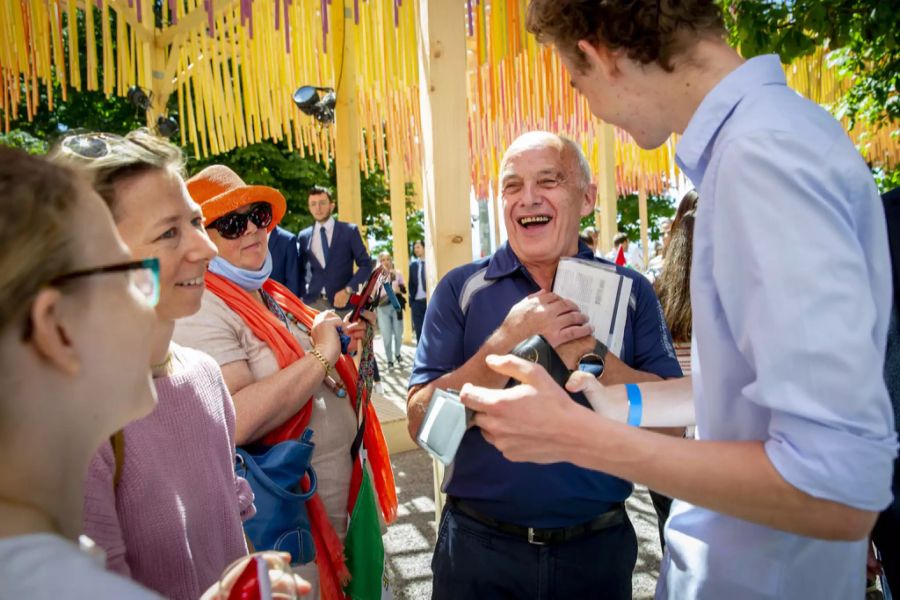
(532,535)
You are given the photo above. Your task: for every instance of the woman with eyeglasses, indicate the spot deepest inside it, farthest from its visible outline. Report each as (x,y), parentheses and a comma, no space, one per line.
(282,361)
(162,499)
(75,314)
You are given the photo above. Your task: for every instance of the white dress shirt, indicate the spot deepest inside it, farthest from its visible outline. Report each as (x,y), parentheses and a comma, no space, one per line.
(316,241)
(788,347)
(421,293)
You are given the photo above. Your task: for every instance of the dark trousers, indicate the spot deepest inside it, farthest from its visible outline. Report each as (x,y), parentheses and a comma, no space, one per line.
(472,560)
(662,505)
(886,536)
(417,307)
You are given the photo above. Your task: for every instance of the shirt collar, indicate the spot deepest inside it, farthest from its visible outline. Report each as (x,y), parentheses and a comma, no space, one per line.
(717,107)
(328,225)
(504,261)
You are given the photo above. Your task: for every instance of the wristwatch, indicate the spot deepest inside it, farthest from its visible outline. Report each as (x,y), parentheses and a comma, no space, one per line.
(593,362)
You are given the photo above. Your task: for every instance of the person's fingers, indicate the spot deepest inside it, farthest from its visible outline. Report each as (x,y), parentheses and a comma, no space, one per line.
(477,398)
(571,306)
(570,318)
(515,367)
(567,334)
(303,586)
(581,381)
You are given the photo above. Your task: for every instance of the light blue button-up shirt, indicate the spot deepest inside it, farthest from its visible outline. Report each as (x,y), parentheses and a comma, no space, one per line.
(791,291)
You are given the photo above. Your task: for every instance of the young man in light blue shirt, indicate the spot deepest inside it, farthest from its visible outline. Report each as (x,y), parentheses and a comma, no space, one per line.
(796,437)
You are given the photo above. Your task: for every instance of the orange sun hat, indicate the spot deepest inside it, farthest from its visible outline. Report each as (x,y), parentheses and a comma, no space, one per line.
(218,190)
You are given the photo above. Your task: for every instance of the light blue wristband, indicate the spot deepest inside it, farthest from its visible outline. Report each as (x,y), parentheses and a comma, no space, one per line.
(635,404)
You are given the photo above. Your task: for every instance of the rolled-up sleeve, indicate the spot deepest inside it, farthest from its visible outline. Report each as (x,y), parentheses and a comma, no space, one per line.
(440,350)
(798,300)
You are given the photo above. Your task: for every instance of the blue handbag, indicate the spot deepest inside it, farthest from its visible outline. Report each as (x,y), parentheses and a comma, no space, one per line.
(274,473)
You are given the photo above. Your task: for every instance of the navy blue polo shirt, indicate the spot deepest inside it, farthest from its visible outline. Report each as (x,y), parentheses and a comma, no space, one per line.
(467,306)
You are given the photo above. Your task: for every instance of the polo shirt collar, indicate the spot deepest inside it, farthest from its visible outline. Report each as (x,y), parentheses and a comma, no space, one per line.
(504,261)
(717,107)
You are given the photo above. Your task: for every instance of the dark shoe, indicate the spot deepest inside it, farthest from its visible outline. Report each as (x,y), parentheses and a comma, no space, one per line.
(390,365)
(399,359)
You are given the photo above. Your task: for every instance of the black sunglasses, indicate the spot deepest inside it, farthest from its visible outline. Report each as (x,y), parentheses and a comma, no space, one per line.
(234,224)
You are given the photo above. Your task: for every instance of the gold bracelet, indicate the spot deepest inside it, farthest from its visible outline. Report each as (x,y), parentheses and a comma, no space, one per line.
(315,352)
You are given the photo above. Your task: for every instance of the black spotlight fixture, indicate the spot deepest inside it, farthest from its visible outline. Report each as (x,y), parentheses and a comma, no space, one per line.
(308,101)
(167,126)
(138,97)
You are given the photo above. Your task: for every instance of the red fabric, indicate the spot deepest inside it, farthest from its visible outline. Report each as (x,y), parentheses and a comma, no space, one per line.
(620,257)
(267,327)
(373,438)
(246,587)
(333,573)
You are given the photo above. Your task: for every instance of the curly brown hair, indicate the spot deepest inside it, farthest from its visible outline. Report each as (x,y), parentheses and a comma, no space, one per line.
(648,30)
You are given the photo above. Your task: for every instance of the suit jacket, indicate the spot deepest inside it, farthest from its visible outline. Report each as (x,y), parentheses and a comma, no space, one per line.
(286,260)
(345,249)
(414,282)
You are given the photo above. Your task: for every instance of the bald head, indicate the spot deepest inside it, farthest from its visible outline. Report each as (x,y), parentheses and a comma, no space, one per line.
(572,157)
(545,187)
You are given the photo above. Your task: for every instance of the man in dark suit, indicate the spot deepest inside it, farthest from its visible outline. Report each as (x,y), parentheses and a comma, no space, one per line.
(418,287)
(327,251)
(286,260)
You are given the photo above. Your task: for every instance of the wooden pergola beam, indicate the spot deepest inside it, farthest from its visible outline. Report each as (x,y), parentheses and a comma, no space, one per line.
(346,118)
(445,158)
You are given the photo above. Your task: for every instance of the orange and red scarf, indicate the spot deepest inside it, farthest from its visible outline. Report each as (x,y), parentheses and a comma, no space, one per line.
(266,326)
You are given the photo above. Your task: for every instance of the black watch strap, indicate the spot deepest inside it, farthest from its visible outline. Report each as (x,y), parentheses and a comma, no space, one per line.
(600,349)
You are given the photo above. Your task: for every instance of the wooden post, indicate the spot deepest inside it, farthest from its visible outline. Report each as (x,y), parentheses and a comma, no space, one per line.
(160,83)
(497,205)
(398,226)
(346,115)
(446,160)
(605,220)
(442,72)
(642,211)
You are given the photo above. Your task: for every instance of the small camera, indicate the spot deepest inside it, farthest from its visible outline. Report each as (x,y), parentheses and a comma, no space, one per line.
(444,425)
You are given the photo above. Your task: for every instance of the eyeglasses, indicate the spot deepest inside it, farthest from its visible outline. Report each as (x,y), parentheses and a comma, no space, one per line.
(234,224)
(144,276)
(91,145)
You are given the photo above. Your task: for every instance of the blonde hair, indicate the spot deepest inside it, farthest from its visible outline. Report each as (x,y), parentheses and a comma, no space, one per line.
(38,201)
(386,254)
(137,152)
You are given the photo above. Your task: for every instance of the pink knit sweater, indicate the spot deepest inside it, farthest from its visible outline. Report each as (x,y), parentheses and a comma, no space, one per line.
(174,523)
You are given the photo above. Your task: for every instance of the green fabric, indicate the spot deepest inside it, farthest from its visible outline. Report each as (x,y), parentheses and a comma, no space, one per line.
(363,546)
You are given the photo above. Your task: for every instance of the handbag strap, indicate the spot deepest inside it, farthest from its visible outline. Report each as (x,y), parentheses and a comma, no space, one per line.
(117,441)
(265,481)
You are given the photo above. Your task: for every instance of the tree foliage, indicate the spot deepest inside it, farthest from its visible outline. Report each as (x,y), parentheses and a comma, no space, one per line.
(628,219)
(658,208)
(862,35)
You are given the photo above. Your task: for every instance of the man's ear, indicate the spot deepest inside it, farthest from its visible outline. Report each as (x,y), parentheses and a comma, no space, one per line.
(601,58)
(590,200)
(50,336)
